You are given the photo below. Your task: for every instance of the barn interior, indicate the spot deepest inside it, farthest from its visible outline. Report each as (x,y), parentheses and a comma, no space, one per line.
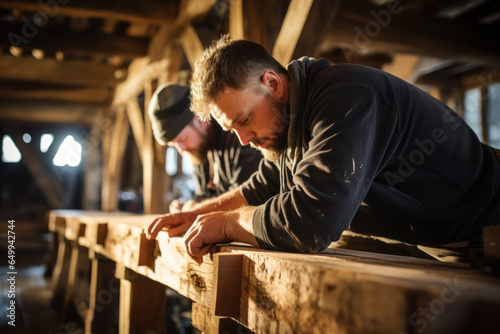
(77,76)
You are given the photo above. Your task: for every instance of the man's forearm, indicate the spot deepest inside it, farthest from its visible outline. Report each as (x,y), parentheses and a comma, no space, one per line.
(230,200)
(239,226)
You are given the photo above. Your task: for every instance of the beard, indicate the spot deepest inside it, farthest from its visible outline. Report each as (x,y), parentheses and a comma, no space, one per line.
(198,156)
(279,129)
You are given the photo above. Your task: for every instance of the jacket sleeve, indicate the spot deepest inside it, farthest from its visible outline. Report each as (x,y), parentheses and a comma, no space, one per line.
(349,134)
(262,185)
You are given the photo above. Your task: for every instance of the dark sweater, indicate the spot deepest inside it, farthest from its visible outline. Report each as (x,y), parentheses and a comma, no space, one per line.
(369,151)
(233,163)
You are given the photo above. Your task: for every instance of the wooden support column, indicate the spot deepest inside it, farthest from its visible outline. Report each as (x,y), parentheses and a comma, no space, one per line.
(93,165)
(142,303)
(154,175)
(78,271)
(104,296)
(61,270)
(114,148)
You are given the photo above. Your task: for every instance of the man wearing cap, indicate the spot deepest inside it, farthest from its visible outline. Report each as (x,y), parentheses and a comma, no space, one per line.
(221,163)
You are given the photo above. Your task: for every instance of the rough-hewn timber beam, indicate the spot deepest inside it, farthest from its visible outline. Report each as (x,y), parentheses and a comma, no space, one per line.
(70,72)
(360,28)
(154,11)
(50,40)
(88,95)
(48,112)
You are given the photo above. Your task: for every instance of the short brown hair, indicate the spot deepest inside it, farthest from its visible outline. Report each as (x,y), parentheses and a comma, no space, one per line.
(228,64)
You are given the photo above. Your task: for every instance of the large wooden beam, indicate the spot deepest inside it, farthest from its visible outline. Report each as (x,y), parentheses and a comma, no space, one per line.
(360,27)
(154,11)
(68,72)
(48,112)
(86,95)
(291,30)
(82,43)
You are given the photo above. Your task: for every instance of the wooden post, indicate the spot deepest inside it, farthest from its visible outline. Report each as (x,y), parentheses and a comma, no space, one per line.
(77,278)
(61,270)
(104,296)
(142,303)
(226,291)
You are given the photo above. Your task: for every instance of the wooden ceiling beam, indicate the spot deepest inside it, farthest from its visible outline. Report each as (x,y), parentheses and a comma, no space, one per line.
(86,95)
(153,11)
(71,42)
(291,30)
(360,28)
(48,112)
(70,72)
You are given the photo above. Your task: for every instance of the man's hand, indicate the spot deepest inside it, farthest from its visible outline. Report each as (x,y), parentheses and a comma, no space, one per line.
(176,224)
(219,227)
(207,231)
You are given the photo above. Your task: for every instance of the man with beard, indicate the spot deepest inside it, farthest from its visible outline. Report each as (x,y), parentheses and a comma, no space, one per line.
(346,146)
(220,162)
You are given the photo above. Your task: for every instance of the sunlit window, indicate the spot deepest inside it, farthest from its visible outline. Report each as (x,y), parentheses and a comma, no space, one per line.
(472,110)
(171,161)
(45,141)
(69,153)
(494,115)
(10,153)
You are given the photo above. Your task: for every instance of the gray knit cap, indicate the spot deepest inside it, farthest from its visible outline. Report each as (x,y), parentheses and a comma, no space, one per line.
(169,112)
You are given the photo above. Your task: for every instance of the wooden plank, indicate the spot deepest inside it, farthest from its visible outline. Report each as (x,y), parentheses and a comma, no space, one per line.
(142,303)
(69,41)
(68,72)
(48,112)
(226,292)
(154,11)
(492,241)
(291,30)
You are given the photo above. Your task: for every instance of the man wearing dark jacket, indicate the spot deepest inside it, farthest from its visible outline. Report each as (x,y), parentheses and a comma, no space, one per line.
(220,162)
(347,146)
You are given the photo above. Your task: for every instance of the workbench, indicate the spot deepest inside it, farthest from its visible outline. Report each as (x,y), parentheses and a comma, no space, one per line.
(241,289)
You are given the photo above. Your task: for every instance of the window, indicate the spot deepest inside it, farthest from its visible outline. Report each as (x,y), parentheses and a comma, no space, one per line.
(494,115)
(45,142)
(171,161)
(472,110)
(10,152)
(69,153)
